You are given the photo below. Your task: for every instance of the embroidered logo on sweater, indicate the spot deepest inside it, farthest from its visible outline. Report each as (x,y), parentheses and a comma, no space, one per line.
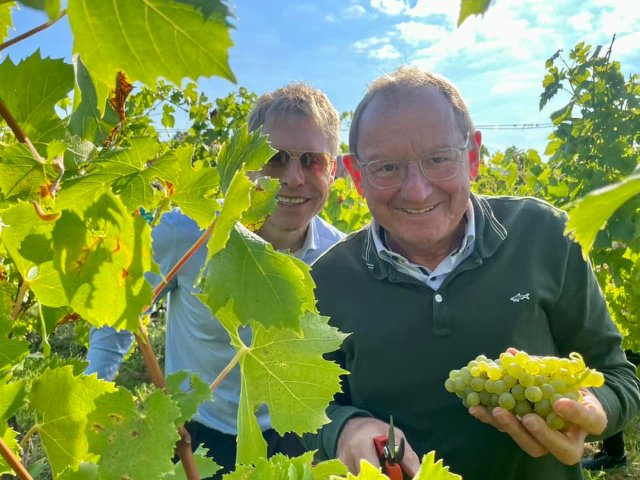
(519,296)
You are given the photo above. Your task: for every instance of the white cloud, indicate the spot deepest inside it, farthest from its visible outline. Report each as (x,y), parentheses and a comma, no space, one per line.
(426,8)
(390,7)
(354,11)
(415,33)
(386,52)
(370,42)
(581,21)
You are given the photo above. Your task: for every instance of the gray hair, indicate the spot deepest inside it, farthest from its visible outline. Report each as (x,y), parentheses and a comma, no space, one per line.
(298,99)
(406,79)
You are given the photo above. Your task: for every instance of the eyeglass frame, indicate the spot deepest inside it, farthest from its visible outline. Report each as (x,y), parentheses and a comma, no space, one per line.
(300,153)
(460,150)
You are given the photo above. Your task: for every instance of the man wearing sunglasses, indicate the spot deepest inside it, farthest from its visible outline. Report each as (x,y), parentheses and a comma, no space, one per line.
(443,275)
(304,127)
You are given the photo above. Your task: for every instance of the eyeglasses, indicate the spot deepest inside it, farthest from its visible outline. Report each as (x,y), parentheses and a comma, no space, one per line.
(437,166)
(309,161)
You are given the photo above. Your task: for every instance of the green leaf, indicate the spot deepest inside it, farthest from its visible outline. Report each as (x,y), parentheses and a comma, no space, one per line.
(148,39)
(50,7)
(281,466)
(288,373)
(30,91)
(432,470)
(10,438)
(248,150)
(263,202)
(367,472)
(117,428)
(5,20)
(589,214)
(11,398)
(21,175)
(12,351)
(61,424)
(188,399)
(280,285)
(194,189)
(205,465)
(472,7)
(86,120)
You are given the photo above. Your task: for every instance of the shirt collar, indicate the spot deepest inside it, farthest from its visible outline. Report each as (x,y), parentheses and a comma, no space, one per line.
(310,241)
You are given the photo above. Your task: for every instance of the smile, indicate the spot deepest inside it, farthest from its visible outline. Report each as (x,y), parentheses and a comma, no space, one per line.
(290,200)
(418,211)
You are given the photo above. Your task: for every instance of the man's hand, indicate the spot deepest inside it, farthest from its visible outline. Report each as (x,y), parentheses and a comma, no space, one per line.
(356,443)
(533,435)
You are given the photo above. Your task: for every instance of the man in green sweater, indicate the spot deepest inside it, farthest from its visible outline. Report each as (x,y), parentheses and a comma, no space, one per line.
(441,276)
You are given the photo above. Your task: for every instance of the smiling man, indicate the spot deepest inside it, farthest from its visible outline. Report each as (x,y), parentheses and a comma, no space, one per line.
(304,127)
(442,275)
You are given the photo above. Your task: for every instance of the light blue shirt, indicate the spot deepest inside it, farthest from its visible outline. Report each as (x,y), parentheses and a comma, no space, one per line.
(432,278)
(195,341)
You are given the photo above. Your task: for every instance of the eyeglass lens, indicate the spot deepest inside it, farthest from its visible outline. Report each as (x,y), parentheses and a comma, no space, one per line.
(309,161)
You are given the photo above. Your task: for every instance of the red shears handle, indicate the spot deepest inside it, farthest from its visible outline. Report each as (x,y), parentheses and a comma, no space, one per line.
(391,470)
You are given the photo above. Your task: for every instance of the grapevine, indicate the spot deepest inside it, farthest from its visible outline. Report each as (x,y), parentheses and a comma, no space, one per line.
(522,383)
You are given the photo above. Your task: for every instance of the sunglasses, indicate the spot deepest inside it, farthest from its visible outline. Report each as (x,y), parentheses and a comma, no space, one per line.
(309,161)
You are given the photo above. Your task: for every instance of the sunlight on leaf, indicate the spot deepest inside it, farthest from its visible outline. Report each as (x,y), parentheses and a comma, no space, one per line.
(472,7)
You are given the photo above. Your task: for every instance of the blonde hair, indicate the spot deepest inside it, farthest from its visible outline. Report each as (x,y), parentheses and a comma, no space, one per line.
(409,79)
(298,99)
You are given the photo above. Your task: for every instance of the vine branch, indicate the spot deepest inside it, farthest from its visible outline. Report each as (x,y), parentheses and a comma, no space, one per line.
(33,31)
(18,132)
(24,287)
(13,462)
(183,447)
(225,371)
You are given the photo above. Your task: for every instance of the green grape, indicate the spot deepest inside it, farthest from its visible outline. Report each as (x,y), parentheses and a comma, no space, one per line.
(499,387)
(543,407)
(526,379)
(477,384)
(555,421)
(507,401)
(514,370)
(518,392)
(473,399)
(485,398)
(488,385)
(449,385)
(522,408)
(533,394)
(494,372)
(510,381)
(559,385)
(547,391)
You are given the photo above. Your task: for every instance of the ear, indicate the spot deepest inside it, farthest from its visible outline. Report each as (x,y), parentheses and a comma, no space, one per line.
(351,164)
(474,154)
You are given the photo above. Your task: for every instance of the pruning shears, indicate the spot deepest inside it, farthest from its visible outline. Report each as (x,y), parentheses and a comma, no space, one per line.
(390,454)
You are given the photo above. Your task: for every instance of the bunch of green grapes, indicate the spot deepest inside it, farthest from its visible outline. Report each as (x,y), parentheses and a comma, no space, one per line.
(522,383)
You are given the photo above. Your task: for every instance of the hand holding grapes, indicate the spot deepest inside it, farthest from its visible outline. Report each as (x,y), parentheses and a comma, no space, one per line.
(535,437)
(356,443)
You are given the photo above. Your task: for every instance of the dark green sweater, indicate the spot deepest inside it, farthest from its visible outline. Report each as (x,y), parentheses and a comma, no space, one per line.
(406,337)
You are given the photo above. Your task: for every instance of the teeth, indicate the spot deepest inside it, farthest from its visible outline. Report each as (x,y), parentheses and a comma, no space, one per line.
(423,210)
(290,200)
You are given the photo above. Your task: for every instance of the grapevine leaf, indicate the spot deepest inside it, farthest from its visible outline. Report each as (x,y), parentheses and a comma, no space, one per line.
(367,472)
(86,121)
(50,7)
(68,262)
(117,428)
(432,470)
(205,465)
(287,372)
(10,438)
(12,351)
(194,188)
(62,403)
(148,39)
(21,175)
(123,170)
(188,394)
(30,91)
(589,214)
(281,466)
(5,20)
(86,471)
(237,201)
(263,202)
(248,150)
(472,7)
(280,285)
(11,398)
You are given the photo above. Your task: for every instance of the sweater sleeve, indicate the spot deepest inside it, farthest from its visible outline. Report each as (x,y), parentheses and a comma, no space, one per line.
(581,322)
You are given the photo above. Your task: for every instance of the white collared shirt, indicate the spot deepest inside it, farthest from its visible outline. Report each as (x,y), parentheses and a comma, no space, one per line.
(432,278)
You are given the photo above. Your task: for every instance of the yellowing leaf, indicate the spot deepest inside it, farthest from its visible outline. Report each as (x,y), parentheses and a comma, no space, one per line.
(472,7)
(62,403)
(5,20)
(288,373)
(589,214)
(432,470)
(367,472)
(148,39)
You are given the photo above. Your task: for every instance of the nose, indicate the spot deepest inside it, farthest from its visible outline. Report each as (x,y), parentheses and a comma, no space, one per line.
(415,187)
(293,175)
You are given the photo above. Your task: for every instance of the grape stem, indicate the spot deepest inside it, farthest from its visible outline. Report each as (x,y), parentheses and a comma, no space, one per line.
(225,371)
(13,461)
(18,132)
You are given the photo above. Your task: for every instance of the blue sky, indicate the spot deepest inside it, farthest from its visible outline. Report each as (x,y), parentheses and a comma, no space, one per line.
(340,46)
